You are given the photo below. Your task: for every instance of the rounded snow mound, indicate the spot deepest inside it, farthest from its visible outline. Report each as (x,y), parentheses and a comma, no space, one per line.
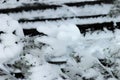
(66,31)
(10,35)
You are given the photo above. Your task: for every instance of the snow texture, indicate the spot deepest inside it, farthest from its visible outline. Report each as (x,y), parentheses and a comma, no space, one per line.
(9,42)
(10,45)
(63,53)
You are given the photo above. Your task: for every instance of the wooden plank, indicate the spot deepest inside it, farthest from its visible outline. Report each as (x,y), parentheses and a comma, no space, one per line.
(32,32)
(96,26)
(23,20)
(29,7)
(42,6)
(78,4)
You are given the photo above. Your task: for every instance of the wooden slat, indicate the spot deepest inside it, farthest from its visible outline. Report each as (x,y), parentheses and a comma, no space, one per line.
(32,32)
(96,26)
(83,28)
(29,7)
(88,3)
(60,18)
(84,3)
(41,6)
(118,25)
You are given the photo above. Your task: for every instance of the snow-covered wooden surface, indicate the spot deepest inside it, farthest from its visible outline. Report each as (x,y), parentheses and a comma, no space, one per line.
(61,52)
(32,13)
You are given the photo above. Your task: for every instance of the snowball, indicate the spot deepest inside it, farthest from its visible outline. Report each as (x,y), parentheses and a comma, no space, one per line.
(68,32)
(50,30)
(65,31)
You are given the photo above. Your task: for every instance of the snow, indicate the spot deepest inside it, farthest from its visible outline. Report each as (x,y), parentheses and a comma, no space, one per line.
(90,73)
(57,36)
(15,3)
(73,21)
(45,72)
(65,47)
(72,33)
(64,43)
(8,25)
(64,11)
(58,31)
(8,45)
(112,79)
(55,46)
(45,29)
(66,54)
